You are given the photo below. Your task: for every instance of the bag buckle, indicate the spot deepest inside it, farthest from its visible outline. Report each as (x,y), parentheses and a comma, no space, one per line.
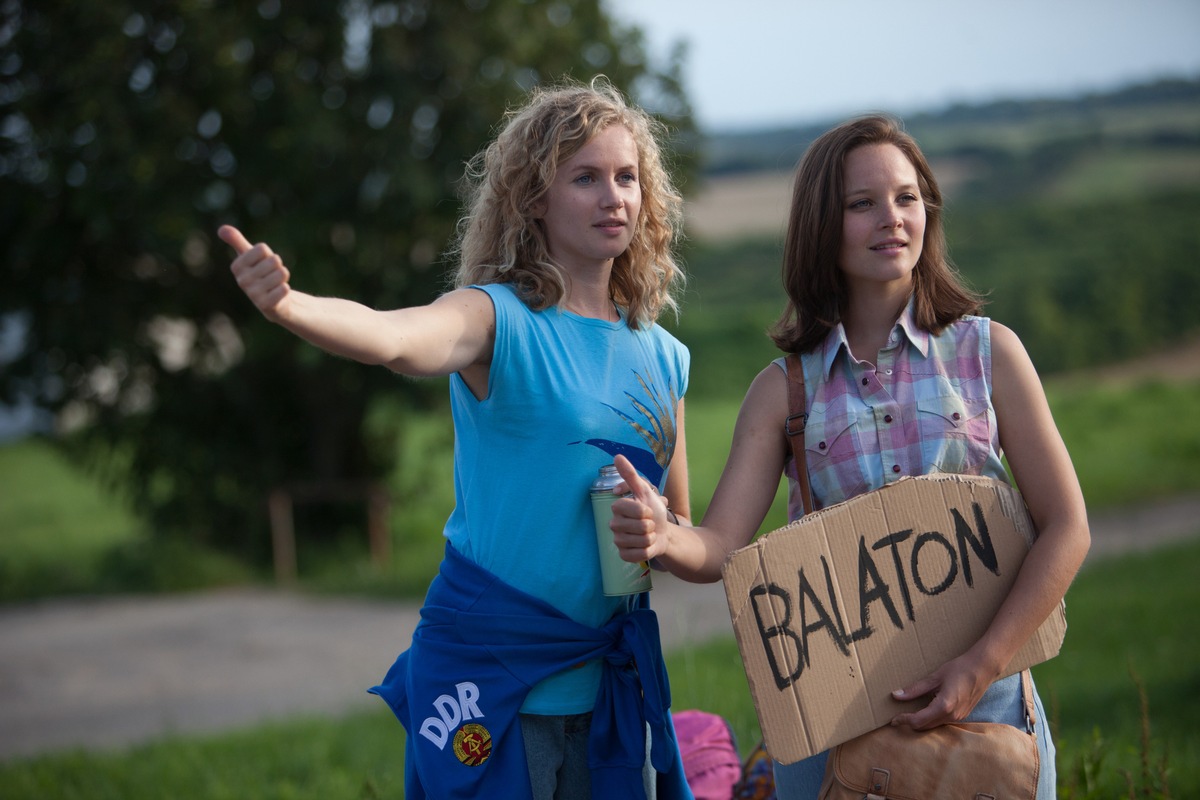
(787,424)
(879,783)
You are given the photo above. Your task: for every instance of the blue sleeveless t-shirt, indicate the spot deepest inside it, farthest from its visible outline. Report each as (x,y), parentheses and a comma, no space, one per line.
(565,394)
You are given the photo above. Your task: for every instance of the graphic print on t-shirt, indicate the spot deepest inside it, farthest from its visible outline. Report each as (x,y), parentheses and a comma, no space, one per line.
(657,431)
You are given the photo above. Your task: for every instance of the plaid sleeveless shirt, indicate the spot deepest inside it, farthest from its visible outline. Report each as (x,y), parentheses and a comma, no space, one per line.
(924,407)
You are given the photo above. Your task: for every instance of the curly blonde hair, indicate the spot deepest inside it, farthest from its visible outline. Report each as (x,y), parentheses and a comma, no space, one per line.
(499,238)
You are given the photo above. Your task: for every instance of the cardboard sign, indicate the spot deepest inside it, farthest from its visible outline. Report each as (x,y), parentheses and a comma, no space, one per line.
(836,610)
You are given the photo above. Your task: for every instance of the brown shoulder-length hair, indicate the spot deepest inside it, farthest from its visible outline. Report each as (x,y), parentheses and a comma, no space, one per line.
(501,240)
(816,288)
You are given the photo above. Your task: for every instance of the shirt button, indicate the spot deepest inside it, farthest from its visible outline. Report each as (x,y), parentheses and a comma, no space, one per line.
(887,418)
(895,467)
(956,416)
(821,446)
(865,381)
(888,372)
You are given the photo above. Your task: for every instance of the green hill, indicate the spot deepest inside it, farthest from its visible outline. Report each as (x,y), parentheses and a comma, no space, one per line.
(1164,113)
(1077,217)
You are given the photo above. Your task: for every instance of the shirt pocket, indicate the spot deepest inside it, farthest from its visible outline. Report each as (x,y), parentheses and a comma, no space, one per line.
(834,449)
(956,434)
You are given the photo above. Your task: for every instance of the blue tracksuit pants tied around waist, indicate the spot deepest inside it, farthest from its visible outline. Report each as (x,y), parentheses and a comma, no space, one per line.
(479,647)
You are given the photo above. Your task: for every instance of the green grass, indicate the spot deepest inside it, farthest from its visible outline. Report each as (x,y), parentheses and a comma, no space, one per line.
(1131,444)
(1116,626)
(1131,621)
(361,756)
(59,534)
(47,509)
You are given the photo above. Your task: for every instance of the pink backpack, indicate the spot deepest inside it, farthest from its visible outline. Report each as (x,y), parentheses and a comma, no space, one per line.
(710,757)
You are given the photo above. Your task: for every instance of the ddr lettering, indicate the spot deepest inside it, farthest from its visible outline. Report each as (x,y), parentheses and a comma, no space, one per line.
(450,712)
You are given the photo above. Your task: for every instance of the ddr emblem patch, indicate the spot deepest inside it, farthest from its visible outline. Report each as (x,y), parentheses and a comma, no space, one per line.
(472,744)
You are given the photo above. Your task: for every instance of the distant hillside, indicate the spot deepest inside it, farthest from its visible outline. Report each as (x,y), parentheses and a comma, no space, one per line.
(1076,217)
(1167,111)
(1136,142)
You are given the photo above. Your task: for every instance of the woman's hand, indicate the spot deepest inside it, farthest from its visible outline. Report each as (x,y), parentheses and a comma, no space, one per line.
(454,333)
(955,688)
(639,522)
(260,273)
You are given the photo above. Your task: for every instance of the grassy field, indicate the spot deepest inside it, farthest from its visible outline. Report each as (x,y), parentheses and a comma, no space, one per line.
(1121,638)
(47,509)
(1132,441)
(59,534)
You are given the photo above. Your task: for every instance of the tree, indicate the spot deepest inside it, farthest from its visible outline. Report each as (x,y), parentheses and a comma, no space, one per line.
(130,131)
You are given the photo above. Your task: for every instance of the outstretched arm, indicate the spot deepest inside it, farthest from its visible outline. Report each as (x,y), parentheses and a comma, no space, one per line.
(642,529)
(1047,481)
(452,334)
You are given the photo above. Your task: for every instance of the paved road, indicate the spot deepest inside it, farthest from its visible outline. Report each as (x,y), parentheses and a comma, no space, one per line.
(108,673)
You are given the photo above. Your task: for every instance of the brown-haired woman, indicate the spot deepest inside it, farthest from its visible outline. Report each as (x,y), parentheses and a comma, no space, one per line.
(888,339)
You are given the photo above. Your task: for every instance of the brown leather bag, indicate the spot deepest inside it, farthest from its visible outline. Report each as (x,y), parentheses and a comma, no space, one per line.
(969,760)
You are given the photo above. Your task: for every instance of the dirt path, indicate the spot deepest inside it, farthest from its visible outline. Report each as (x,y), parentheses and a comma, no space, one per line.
(108,673)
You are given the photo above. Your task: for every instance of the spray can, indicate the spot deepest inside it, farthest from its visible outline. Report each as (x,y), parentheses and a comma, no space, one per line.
(620,577)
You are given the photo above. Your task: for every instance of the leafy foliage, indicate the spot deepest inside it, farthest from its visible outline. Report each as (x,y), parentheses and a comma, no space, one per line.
(336,131)
(1083,284)
(1086,284)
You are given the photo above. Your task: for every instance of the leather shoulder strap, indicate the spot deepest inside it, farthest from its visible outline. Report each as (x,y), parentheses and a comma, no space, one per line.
(793,426)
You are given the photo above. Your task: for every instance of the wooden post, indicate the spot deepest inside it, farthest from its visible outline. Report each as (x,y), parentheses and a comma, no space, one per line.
(283,536)
(378,505)
(280,505)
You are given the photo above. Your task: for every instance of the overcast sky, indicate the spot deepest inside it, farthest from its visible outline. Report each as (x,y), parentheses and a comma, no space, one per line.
(756,63)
